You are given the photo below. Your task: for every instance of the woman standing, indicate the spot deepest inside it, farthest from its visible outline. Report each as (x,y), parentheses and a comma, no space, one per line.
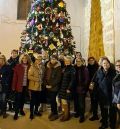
(92,68)
(35,76)
(52,82)
(116,88)
(20,83)
(103,81)
(12,62)
(67,83)
(81,88)
(4,81)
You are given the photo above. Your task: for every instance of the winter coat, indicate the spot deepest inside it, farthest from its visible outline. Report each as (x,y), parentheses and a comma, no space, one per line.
(4,77)
(81,79)
(116,89)
(67,83)
(35,76)
(103,83)
(53,76)
(18,76)
(92,70)
(12,63)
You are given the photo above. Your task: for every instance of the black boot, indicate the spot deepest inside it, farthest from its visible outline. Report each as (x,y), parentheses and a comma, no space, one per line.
(15,116)
(31,116)
(93,118)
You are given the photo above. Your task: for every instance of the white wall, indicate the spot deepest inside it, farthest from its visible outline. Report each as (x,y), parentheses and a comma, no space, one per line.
(10,28)
(117,28)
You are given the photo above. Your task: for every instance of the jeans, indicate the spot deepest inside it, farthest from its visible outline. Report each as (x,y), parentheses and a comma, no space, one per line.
(3,102)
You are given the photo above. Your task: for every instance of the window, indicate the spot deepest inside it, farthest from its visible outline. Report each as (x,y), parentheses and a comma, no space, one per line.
(23,9)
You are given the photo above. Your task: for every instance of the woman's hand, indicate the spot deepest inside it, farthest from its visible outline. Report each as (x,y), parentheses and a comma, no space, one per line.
(68,91)
(118,106)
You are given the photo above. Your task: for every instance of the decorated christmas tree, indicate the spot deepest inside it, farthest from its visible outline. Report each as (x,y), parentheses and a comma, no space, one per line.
(48,28)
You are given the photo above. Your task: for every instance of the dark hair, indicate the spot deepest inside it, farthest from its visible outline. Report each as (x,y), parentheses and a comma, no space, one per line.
(54,56)
(105,58)
(91,58)
(14,50)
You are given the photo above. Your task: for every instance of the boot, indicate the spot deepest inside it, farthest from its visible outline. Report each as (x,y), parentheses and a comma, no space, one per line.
(4,115)
(66,114)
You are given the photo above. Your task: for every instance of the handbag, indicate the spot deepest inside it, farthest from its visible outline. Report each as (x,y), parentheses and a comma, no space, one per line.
(92,83)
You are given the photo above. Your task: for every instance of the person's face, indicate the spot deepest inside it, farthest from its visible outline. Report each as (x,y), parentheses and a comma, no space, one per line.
(1,61)
(105,65)
(117,66)
(67,61)
(45,56)
(91,61)
(24,60)
(78,55)
(38,61)
(14,54)
(79,62)
(61,56)
(53,61)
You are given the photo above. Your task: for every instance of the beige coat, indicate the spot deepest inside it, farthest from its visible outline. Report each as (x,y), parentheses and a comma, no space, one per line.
(35,76)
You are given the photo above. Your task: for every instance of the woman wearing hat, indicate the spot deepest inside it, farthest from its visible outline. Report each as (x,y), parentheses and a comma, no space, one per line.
(4,78)
(35,76)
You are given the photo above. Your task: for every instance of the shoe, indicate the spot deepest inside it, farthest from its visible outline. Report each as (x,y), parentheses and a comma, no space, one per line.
(50,115)
(103,127)
(37,113)
(15,117)
(81,120)
(31,116)
(53,117)
(93,118)
(5,115)
(22,113)
(101,120)
(76,115)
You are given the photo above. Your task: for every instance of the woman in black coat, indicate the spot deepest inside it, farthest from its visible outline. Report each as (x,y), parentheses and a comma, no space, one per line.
(12,61)
(92,68)
(80,89)
(116,88)
(65,91)
(103,81)
(4,80)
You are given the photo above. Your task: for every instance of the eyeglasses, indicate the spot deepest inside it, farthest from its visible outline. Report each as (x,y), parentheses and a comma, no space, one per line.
(117,65)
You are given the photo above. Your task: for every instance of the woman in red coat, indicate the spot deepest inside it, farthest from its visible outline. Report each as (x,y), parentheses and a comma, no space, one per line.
(20,82)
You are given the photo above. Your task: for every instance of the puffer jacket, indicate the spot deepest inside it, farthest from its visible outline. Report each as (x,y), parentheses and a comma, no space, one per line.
(68,81)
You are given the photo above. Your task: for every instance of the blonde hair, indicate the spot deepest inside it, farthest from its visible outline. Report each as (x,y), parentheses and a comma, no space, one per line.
(27,56)
(4,59)
(68,57)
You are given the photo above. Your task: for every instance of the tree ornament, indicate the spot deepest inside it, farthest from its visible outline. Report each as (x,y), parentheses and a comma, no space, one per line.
(48,10)
(32,22)
(38,8)
(52,46)
(39,27)
(43,19)
(61,4)
(51,34)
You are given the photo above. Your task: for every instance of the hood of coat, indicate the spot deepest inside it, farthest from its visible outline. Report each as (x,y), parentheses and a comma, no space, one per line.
(57,64)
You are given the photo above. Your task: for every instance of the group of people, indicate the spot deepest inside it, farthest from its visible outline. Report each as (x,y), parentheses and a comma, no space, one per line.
(57,80)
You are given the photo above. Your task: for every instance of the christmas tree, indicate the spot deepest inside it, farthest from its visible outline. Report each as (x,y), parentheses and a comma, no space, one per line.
(48,28)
